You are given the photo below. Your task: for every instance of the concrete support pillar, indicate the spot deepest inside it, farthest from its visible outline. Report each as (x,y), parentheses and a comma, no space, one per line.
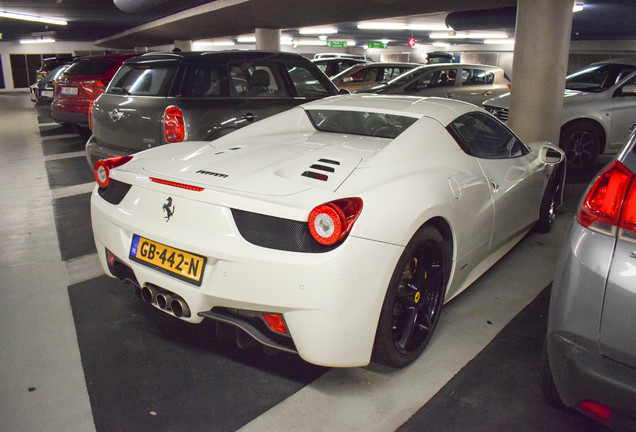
(540,60)
(183,45)
(267,39)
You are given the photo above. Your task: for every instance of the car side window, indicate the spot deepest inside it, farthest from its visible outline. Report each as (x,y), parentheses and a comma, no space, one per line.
(477,77)
(204,80)
(254,80)
(305,82)
(392,72)
(482,136)
(438,78)
(628,89)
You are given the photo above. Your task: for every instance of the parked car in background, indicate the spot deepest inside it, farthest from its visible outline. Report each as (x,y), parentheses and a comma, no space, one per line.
(44,91)
(271,229)
(589,362)
(439,57)
(80,85)
(363,76)
(472,83)
(50,63)
(335,65)
(598,110)
(161,98)
(343,55)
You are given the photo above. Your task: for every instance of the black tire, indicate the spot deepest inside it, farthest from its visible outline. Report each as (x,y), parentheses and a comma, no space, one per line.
(581,143)
(549,204)
(414,299)
(548,388)
(82,131)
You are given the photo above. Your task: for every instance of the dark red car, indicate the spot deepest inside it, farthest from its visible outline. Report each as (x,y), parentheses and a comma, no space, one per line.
(81,84)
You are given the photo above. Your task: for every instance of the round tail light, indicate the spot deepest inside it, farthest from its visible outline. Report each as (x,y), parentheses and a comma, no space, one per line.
(103,167)
(330,223)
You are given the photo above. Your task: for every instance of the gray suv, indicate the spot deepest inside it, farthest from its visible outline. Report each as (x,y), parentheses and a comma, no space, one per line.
(590,358)
(161,98)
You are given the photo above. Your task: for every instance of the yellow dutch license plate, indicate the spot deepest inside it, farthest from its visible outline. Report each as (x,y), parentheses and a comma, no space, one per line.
(175,262)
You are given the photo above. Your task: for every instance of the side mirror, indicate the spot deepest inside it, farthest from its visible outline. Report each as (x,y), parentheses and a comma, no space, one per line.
(344,91)
(551,155)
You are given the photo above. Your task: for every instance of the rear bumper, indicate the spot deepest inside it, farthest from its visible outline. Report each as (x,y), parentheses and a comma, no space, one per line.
(95,152)
(582,375)
(80,119)
(330,301)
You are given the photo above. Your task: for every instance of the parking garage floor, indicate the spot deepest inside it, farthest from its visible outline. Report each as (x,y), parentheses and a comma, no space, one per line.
(81,353)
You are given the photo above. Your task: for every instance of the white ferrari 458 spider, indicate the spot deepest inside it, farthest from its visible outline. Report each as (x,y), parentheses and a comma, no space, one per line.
(336,230)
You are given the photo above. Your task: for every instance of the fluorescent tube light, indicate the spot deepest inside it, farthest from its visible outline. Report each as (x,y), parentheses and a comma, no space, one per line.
(469,35)
(318,30)
(35,41)
(19,16)
(400,26)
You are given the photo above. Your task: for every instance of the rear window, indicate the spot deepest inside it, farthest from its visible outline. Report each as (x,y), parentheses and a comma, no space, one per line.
(90,67)
(360,123)
(142,80)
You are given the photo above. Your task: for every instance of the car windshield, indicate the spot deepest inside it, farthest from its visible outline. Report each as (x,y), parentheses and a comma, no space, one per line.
(597,78)
(364,123)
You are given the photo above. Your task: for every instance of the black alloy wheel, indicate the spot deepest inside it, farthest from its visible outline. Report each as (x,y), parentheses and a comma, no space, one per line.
(414,299)
(581,144)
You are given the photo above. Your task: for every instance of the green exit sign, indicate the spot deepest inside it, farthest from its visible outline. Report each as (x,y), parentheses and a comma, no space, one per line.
(337,44)
(378,45)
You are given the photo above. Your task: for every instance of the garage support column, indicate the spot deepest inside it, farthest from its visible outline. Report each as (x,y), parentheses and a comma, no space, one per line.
(183,45)
(267,39)
(540,60)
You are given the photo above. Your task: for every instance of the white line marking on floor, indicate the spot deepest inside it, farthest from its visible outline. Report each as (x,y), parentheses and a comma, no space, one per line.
(68,191)
(82,268)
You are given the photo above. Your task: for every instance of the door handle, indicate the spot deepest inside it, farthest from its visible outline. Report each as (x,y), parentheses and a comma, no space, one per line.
(494,187)
(451,95)
(250,117)
(487,93)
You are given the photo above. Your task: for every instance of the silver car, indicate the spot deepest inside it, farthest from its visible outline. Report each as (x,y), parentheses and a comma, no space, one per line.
(590,359)
(366,75)
(598,109)
(472,83)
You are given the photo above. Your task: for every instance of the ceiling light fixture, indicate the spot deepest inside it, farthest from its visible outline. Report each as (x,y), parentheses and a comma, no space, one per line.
(469,35)
(36,41)
(499,41)
(203,44)
(578,6)
(24,17)
(399,26)
(318,30)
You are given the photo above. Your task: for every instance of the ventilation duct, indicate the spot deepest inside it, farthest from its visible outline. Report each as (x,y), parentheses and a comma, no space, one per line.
(483,19)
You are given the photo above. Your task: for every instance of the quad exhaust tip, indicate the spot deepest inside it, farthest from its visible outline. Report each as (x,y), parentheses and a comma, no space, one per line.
(165,301)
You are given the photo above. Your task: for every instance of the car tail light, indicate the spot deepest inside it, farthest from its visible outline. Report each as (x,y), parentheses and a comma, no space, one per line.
(275,322)
(90,115)
(597,411)
(173,124)
(331,222)
(611,201)
(175,184)
(94,83)
(103,167)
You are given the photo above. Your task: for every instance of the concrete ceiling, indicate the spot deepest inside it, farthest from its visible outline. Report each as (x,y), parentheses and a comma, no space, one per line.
(161,22)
